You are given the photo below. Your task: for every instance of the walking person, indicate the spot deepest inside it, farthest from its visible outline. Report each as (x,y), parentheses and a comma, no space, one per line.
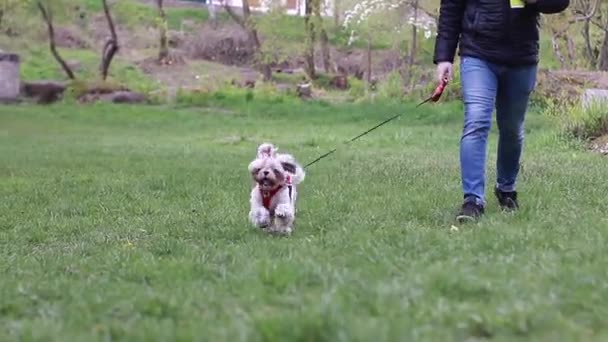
(498,43)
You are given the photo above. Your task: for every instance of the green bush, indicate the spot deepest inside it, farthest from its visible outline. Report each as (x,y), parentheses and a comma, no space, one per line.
(585,124)
(392,87)
(357,88)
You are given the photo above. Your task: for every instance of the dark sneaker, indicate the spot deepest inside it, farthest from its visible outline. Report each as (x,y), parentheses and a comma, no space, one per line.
(507,200)
(470,211)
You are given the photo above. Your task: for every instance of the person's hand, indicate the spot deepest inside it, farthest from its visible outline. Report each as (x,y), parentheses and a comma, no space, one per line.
(444,71)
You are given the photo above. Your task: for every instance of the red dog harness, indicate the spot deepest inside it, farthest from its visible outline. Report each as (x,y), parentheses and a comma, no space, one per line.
(268,195)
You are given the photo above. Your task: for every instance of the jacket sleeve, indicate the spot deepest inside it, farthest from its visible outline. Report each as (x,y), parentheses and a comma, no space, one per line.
(551,6)
(449,27)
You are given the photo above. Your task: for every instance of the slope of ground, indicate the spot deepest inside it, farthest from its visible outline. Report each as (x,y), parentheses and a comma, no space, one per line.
(130,223)
(208,47)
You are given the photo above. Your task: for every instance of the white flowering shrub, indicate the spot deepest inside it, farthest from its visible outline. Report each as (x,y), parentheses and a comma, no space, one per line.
(394,15)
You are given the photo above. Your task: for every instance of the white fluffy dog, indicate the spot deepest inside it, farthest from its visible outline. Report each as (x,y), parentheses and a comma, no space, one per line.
(273,197)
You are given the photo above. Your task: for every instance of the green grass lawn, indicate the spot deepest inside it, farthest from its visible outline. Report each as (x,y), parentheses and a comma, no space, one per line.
(130,223)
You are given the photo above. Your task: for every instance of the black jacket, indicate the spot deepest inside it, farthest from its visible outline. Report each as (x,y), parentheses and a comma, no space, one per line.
(491,30)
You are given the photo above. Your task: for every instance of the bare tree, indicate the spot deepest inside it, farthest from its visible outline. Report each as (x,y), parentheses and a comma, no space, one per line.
(47,15)
(246,24)
(309,27)
(603,55)
(585,10)
(111,46)
(163,52)
(600,20)
(336,11)
(414,47)
(324,39)
(593,12)
(369,61)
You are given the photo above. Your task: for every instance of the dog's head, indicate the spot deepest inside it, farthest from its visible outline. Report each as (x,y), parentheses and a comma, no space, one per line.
(270,170)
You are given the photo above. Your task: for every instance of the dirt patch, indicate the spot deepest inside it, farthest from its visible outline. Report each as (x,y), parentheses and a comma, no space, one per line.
(150,64)
(595,79)
(227,44)
(121,96)
(68,37)
(129,39)
(600,145)
(43,92)
(565,87)
(353,62)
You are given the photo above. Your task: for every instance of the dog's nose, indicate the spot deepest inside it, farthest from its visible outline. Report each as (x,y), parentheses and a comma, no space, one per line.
(265,173)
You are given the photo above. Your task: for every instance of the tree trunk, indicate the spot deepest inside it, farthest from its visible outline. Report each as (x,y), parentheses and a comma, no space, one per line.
(589,55)
(556,50)
(603,57)
(414,47)
(323,38)
(325,51)
(212,15)
(336,14)
(47,15)
(571,50)
(111,46)
(264,67)
(163,52)
(369,60)
(309,26)
(252,33)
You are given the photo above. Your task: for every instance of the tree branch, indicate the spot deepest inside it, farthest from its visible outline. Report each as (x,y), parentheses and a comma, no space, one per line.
(600,25)
(587,16)
(47,15)
(237,18)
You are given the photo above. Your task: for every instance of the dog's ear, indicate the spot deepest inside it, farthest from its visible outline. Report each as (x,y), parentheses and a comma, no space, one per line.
(253,167)
(289,167)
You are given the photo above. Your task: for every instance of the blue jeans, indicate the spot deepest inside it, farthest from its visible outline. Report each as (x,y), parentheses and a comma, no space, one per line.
(486,86)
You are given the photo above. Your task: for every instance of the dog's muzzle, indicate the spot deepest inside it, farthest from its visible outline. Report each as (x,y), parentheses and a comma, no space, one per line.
(266,182)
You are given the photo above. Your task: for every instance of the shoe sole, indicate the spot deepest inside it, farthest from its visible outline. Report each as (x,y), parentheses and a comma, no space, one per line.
(465,219)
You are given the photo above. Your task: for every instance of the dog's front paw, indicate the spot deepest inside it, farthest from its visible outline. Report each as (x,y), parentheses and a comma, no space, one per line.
(260,217)
(284,211)
(284,219)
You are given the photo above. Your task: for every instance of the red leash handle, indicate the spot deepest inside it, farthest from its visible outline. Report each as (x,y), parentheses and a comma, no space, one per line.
(439,90)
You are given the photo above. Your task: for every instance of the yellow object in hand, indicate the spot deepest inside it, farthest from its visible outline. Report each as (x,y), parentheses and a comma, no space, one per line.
(517,4)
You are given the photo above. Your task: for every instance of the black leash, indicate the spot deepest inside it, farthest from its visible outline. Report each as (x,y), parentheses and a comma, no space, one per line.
(435,97)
